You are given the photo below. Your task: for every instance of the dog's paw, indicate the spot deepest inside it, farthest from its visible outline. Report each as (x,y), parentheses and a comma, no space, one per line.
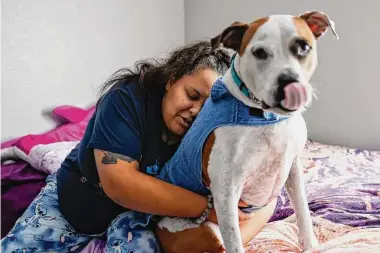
(309,244)
(176,224)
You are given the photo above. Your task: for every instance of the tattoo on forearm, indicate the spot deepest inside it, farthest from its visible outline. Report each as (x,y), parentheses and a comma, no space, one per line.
(111,158)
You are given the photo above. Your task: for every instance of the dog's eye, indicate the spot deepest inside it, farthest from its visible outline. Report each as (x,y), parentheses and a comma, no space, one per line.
(260,53)
(300,48)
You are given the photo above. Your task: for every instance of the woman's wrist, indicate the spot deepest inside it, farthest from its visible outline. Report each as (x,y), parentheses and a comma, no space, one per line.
(205,215)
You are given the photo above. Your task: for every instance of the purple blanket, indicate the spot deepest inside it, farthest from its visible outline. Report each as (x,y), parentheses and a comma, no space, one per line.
(343,186)
(20,184)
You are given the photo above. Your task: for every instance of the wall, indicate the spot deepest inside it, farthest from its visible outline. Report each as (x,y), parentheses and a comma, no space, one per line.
(58,52)
(348,80)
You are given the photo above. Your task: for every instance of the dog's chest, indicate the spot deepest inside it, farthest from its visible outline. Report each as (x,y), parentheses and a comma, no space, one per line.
(264,154)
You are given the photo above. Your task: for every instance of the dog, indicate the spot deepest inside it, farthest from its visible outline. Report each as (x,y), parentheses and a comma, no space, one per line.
(269,77)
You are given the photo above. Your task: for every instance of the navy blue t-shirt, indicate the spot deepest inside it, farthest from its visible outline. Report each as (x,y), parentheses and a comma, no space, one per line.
(127,121)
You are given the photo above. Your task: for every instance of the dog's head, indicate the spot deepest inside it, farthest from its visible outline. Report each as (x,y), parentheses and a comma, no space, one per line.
(277,56)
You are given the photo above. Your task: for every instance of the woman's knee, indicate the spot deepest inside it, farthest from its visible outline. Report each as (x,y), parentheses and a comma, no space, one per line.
(136,241)
(121,237)
(57,237)
(42,228)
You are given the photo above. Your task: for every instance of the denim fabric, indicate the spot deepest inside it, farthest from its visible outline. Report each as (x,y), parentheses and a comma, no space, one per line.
(221,109)
(184,169)
(42,228)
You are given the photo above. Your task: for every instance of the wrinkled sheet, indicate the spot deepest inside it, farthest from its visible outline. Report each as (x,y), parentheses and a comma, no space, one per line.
(343,189)
(281,236)
(21,182)
(342,185)
(48,158)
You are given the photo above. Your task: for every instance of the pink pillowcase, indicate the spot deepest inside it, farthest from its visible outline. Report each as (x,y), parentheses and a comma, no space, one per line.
(69,113)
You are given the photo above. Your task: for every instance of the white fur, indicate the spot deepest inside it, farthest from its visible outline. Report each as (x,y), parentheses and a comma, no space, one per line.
(176,224)
(254,163)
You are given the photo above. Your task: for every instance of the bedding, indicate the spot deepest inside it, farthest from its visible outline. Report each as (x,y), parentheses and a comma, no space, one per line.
(73,120)
(20,184)
(342,184)
(24,165)
(343,188)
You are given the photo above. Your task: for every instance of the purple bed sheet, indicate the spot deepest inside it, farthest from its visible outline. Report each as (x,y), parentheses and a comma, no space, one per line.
(342,185)
(20,184)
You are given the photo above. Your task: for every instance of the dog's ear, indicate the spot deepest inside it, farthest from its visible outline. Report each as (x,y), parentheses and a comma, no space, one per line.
(231,37)
(318,23)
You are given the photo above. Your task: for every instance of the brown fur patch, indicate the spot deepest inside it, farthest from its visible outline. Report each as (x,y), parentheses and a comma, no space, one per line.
(251,32)
(206,157)
(303,30)
(200,239)
(305,33)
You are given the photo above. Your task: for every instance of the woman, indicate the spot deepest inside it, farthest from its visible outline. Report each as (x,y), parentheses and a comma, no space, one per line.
(139,121)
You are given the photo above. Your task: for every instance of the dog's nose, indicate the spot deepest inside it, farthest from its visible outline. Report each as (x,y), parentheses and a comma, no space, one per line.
(283,80)
(286,78)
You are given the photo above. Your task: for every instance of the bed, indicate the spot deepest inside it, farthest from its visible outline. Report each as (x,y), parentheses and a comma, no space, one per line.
(342,184)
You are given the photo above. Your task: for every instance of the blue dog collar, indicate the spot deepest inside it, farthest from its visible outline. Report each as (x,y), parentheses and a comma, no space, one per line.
(242,87)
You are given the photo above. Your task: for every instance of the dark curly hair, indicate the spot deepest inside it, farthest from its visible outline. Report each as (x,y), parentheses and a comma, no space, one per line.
(154,74)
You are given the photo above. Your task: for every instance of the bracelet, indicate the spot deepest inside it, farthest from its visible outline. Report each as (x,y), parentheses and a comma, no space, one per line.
(210,205)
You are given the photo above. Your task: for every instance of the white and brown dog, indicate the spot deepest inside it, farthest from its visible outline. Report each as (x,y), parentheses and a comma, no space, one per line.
(276,58)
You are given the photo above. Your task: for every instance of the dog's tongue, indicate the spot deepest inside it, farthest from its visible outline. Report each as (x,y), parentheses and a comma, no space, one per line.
(295,96)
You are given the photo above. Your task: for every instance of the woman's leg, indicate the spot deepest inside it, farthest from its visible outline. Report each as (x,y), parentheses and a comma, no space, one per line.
(121,238)
(260,218)
(42,228)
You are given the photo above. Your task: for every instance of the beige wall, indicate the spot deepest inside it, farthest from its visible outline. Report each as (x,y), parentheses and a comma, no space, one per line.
(58,52)
(348,78)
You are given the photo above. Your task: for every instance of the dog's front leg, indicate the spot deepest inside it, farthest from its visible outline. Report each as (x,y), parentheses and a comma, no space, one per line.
(226,186)
(297,194)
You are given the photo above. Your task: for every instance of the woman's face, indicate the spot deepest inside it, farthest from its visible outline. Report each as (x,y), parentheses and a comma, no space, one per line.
(185,98)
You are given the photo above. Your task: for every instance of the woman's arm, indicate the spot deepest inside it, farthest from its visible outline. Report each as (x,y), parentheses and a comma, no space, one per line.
(127,186)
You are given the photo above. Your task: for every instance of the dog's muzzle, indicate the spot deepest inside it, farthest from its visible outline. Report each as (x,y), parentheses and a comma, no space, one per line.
(283,80)
(291,95)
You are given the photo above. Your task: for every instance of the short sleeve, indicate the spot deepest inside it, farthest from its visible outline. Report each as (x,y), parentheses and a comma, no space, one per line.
(116,125)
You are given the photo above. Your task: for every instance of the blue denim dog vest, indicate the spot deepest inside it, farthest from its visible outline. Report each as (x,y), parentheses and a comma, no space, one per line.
(184,169)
